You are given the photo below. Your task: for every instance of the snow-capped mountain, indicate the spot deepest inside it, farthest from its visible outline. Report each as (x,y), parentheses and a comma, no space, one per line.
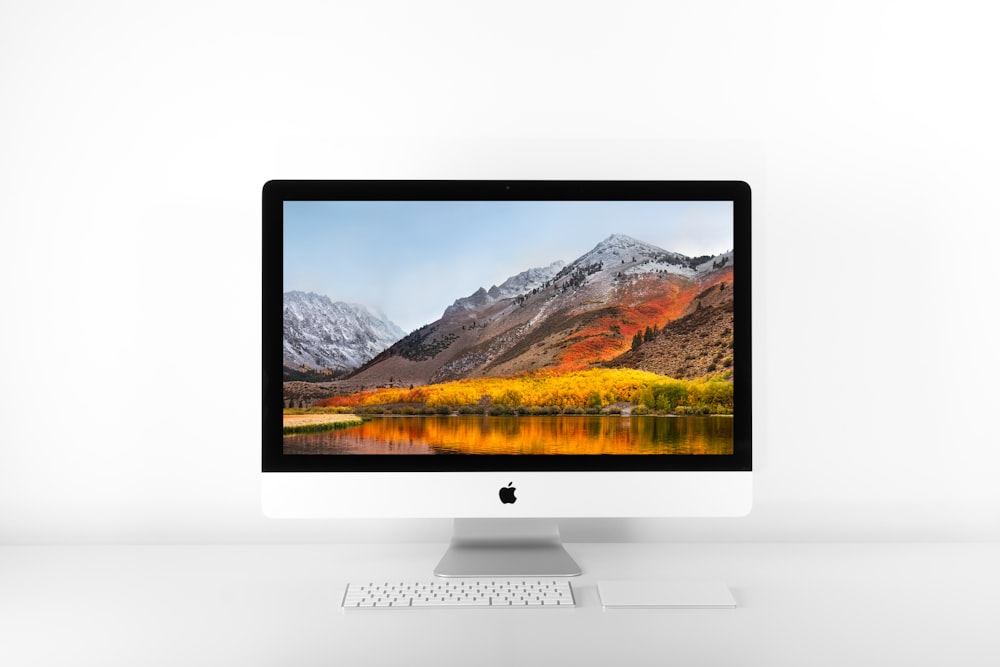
(637,257)
(514,286)
(327,335)
(716,262)
(566,316)
(633,256)
(625,248)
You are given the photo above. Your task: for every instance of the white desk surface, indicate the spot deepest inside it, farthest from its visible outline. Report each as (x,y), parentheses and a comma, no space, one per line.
(798,604)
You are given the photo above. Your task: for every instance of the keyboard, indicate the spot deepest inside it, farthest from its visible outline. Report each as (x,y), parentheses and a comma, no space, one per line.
(460,593)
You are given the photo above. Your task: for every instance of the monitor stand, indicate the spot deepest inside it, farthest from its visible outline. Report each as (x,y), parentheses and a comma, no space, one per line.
(506,548)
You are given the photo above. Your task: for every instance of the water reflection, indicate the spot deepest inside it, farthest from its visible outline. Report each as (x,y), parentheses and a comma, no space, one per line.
(471,434)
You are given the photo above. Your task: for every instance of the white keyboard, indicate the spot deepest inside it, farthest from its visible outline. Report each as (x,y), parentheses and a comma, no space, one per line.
(466,593)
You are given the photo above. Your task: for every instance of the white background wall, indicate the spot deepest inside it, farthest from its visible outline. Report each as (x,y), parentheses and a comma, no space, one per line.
(134,140)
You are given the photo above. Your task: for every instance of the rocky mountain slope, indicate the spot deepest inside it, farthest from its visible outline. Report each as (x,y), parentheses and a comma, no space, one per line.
(696,344)
(568,317)
(323,335)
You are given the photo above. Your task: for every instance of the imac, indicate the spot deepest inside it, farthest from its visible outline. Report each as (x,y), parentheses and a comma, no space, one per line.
(506,353)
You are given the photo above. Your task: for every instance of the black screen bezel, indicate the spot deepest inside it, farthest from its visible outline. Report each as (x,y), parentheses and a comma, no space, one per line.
(276,192)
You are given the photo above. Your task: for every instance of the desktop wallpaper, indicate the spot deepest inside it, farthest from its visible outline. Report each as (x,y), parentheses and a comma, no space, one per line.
(508,327)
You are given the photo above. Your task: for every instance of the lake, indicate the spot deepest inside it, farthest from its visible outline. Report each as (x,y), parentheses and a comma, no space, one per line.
(542,434)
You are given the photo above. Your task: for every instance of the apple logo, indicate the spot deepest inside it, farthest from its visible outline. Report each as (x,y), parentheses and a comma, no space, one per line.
(507,494)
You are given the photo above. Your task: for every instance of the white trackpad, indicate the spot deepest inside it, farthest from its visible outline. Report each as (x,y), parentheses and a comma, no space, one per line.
(665,595)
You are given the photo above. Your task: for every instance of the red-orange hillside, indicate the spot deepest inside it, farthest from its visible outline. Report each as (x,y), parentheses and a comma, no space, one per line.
(659,301)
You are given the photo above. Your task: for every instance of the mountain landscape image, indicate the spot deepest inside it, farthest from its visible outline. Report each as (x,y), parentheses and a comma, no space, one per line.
(628,328)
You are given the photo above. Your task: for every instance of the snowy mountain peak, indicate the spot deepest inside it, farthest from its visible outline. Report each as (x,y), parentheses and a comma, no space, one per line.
(618,241)
(529,280)
(621,249)
(514,286)
(622,244)
(328,335)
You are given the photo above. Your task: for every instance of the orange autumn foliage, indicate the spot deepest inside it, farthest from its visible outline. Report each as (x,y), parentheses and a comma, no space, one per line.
(576,389)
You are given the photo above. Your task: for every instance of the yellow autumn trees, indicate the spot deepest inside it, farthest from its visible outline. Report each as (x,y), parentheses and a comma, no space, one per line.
(594,388)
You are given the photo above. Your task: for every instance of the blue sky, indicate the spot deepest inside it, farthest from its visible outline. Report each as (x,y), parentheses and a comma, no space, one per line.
(413,259)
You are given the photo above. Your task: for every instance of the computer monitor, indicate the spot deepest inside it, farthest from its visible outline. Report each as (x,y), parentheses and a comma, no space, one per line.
(504,351)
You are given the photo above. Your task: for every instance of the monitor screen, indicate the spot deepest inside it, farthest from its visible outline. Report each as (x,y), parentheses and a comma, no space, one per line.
(515,326)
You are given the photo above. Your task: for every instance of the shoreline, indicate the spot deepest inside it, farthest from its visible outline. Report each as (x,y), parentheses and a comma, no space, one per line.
(313,423)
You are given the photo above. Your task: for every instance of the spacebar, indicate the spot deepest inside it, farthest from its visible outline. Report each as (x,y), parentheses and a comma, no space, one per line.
(449,603)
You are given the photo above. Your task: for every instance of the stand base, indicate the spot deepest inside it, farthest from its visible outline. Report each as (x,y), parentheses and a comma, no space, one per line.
(506,548)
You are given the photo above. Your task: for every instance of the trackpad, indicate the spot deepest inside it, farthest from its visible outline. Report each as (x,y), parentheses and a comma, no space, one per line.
(665,595)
